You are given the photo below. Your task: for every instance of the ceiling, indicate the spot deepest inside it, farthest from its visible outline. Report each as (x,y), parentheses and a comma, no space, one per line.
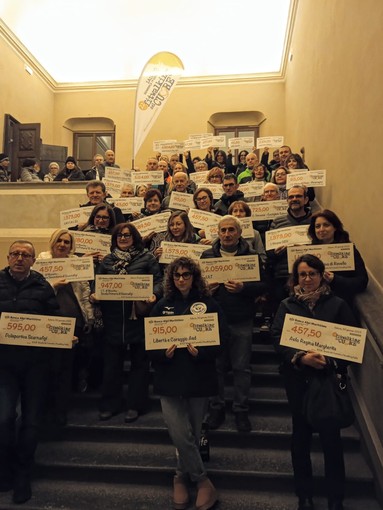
(77,41)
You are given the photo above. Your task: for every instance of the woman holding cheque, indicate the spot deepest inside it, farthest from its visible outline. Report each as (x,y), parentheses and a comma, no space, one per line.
(185,378)
(311,297)
(124,326)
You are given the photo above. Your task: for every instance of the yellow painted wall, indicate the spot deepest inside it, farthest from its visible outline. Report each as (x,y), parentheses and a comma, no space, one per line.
(334,106)
(27,98)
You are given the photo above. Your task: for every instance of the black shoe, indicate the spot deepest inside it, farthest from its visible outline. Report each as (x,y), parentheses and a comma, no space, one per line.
(105,415)
(22,491)
(242,421)
(305,504)
(335,505)
(216,418)
(131,416)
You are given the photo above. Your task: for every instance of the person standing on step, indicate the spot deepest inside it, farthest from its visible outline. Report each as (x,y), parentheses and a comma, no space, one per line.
(24,371)
(185,378)
(311,297)
(237,301)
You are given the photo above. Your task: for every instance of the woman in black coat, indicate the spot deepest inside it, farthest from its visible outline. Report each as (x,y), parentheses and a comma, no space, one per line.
(123,326)
(311,297)
(185,378)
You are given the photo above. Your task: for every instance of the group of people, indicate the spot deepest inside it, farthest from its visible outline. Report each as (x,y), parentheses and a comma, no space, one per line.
(190,380)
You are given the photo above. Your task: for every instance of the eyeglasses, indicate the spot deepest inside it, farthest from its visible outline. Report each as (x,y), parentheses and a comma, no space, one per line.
(17,254)
(184,276)
(310,274)
(202,199)
(103,218)
(124,236)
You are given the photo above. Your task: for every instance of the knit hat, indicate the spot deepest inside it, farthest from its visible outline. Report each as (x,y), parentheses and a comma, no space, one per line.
(70,159)
(3,157)
(28,162)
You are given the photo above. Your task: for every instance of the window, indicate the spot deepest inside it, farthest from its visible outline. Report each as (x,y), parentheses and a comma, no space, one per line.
(86,145)
(236,132)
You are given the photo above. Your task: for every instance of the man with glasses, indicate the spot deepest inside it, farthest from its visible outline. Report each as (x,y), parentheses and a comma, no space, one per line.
(231,194)
(237,301)
(298,213)
(24,371)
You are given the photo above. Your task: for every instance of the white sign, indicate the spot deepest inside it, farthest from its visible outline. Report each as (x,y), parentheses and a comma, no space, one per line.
(74,217)
(247,227)
(155,223)
(201,219)
(71,269)
(171,251)
(270,141)
(216,189)
(241,142)
(36,330)
(199,177)
(181,201)
(90,242)
(335,257)
(117,174)
(312,178)
(181,330)
(128,204)
(252,189)
(268,210)
(288,236)
(221,269)
(192,144)
(333,340)
(159,143)
(114,187)
(148,177)
(124,287)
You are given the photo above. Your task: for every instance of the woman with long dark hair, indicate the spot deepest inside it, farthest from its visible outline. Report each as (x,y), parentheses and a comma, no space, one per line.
(326,228)
(311,297)
(185,378)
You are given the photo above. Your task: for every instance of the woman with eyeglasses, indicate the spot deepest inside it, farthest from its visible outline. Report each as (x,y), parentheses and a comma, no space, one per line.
(185,377)
(71,366)
(326,228)
(203,201)
(215,175)
(311,297)
(124,326)
(279,178)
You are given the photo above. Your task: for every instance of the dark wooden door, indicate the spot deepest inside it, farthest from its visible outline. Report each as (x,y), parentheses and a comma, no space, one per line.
(26,144)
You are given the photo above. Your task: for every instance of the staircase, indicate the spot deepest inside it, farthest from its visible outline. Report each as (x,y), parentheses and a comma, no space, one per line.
(112,465)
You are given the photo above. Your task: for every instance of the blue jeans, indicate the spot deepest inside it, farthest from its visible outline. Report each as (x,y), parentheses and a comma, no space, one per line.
(237,354)
(25,377)
(183,417)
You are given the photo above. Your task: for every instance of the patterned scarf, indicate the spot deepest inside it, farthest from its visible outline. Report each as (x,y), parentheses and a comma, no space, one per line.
(311,298)
(123,259)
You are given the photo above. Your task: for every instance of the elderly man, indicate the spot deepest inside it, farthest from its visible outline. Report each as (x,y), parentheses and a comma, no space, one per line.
(179,183)
(270,192)
(109,158)
(97,172)
(152,164)
(231,194)
(247,175)
(237,301)
(24,371)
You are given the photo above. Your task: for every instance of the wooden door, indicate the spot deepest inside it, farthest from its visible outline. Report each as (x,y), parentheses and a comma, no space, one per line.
(26,144)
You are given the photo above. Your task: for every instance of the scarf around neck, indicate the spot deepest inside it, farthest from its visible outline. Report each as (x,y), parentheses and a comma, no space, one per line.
(311,298)
(122,259)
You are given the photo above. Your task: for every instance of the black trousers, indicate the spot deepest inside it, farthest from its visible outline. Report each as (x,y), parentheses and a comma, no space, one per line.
(295,384)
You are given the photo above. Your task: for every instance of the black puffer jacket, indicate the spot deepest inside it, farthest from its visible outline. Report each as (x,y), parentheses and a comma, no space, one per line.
(237,306)
(185,375)
(118,324)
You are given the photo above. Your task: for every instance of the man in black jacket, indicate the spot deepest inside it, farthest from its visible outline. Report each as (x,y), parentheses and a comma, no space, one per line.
(231,194)
(24,371)
(237,301)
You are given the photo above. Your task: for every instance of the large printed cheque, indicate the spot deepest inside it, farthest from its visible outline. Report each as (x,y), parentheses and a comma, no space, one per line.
(148,177)
(269,141)
(123,287)
(127,204)
(262,211)
(71,269)
(201,219)
(287,236)
(252,189)
(198,330)
(221,269)
(73,217)
(155,223)
(312,178)
(334,340)
(171,251)
(90,242)
(335,257)
(181,201)
(36,330)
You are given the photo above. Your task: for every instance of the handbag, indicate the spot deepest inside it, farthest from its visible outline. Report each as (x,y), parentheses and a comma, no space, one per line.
(327,404)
